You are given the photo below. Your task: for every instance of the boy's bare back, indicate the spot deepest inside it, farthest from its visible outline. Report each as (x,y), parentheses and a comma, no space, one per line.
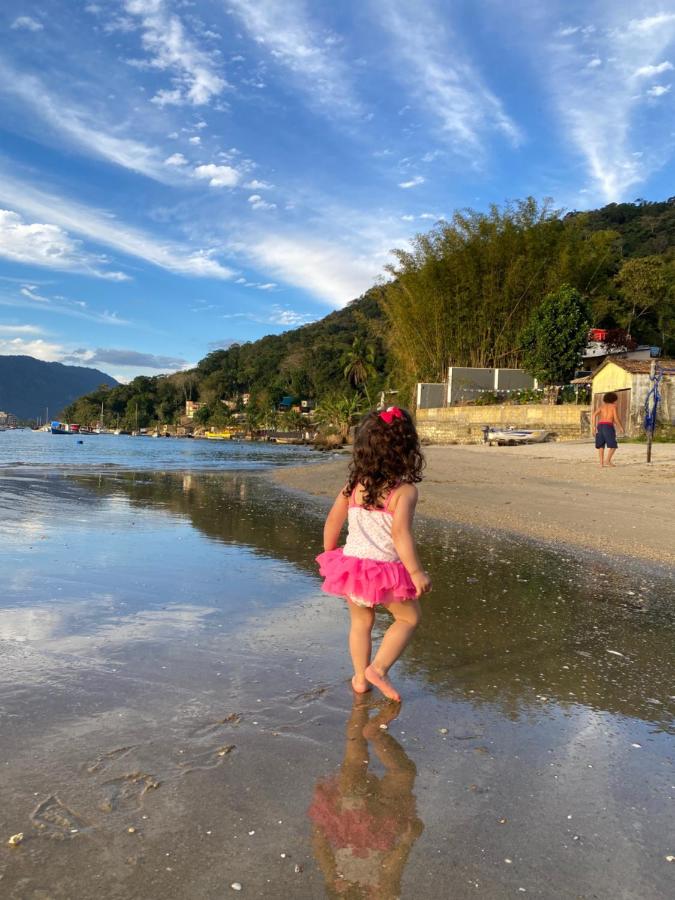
(607,413)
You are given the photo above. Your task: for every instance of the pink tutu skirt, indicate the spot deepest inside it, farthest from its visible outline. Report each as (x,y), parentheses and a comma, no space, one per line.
(370,581)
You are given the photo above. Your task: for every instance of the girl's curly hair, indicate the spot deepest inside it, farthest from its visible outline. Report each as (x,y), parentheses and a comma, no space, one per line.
(385,454)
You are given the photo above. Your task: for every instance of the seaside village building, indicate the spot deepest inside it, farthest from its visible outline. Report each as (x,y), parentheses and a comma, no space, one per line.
(630,380)
(191,407)
(7,420)
(604,344)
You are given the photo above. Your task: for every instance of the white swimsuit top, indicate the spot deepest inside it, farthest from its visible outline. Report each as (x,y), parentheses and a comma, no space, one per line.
(369,532)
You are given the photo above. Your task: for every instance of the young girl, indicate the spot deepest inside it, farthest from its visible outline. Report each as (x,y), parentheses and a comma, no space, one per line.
(378,564)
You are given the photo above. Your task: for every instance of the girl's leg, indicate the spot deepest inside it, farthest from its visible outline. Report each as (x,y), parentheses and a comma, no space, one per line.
(407,615)
(360,643)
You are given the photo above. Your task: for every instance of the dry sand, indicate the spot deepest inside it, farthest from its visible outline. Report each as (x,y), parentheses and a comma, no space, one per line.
(553,492)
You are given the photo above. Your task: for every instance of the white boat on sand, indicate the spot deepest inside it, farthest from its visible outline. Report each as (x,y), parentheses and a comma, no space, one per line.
(513,436)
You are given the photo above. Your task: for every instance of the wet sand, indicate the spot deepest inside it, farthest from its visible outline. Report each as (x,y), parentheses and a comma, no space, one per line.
(552,492)
(169,665)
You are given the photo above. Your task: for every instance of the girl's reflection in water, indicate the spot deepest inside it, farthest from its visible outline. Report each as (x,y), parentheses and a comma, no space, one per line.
(365,825)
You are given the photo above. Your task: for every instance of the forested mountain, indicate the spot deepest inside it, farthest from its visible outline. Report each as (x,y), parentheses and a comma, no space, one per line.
(462,295)
(28,386)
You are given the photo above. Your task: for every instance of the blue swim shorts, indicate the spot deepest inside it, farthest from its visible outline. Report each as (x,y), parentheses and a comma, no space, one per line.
(605,436)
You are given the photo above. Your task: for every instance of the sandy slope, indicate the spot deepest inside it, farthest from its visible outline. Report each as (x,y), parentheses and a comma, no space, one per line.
(550,491)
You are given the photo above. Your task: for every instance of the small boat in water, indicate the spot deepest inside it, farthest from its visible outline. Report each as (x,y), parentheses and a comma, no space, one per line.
(512,436)
(64,428)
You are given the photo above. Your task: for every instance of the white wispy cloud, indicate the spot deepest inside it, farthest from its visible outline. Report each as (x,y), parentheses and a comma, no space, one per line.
(328,270)
(310,54)
(650,71)
(84,129)
(26,23)
(29,298)
(598,108)
(659,90)
(413,182)
(444,82)
(176,159)
(257,185)
(134,359)
(651,24)
(196,79)
(283,315)
(49,246)
(104,229)
(277,315)
(40,349)
(257,202)
(20,329)
(259,285)
(218,176)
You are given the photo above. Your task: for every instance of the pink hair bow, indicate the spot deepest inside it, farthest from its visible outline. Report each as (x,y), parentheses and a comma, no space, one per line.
(388,415)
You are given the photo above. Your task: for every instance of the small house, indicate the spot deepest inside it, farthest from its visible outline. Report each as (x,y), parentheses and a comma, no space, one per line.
(630,380)
(191,407)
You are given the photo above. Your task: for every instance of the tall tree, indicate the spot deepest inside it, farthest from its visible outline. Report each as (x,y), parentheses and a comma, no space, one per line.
(555,335)
(463,293)
(644,289)
(359,364)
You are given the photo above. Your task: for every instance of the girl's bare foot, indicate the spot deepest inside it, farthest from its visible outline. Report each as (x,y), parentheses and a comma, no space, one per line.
(360,685)
(382,683)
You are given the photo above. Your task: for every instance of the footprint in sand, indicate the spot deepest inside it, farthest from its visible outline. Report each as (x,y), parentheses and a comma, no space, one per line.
(127,792)
(208,759)
(207,748)
(53,819)
(212,727)
(105,760)
(313,694)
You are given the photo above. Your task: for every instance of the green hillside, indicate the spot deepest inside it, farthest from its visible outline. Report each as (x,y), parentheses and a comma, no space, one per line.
(28,386)
(462,295)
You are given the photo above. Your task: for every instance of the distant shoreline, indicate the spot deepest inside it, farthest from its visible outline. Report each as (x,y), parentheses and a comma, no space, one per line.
(555,493)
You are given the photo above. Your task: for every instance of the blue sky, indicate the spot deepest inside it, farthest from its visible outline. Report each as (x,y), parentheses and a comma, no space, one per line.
(176,175)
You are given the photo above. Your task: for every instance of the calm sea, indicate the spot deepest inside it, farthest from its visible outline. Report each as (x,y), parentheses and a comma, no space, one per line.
(39,448)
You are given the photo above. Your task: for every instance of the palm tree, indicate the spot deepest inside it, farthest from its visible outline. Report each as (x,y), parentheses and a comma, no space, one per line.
(359,364)
(339,413)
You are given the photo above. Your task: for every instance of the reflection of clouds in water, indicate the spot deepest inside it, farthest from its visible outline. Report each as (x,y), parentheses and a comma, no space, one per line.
(18,529)
(48,630)
(34,624)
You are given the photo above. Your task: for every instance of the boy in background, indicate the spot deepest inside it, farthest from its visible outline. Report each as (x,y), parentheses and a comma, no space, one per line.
(605,418)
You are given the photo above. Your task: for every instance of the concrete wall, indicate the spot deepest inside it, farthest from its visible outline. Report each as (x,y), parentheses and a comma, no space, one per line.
(430,394)
(464,424)
(467,383)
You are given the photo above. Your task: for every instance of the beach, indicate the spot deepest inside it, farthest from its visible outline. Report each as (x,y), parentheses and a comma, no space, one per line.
(553,492)
(176,719)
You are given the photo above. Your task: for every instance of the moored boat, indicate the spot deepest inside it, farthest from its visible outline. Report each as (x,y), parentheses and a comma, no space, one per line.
(512,436)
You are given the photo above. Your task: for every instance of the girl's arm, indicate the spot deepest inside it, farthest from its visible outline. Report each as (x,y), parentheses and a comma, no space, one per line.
(334,522)
(404,542)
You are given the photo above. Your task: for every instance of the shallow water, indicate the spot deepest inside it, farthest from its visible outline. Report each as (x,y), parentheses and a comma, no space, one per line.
(168,664)
(38,448)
